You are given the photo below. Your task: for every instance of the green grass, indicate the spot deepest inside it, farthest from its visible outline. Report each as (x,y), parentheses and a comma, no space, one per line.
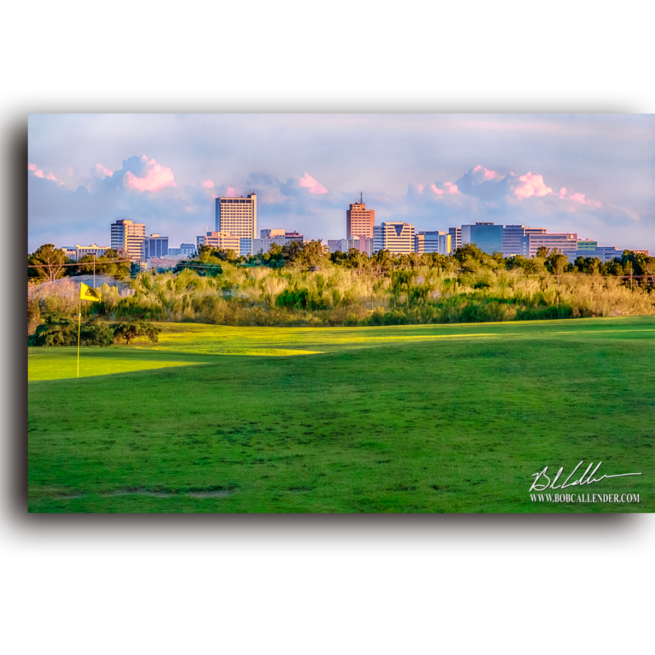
(431,418)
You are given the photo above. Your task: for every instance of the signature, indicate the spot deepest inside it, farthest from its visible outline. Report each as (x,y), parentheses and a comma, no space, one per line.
(547,484)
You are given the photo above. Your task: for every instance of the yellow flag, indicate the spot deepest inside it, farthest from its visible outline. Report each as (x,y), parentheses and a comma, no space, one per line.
(87,293)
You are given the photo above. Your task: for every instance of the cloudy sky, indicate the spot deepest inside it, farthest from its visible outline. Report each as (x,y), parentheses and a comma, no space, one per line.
(592,174)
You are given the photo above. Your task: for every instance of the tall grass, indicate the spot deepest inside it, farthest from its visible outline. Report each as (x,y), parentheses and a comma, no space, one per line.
(337,295)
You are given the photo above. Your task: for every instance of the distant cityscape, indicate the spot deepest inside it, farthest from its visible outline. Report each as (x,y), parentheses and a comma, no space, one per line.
(236,229)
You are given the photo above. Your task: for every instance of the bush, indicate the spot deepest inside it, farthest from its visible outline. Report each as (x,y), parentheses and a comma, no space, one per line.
(60,330)
(56,331)
(96,333)
(136,330)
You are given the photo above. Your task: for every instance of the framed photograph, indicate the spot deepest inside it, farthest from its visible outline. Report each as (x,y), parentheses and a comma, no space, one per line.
(341,313)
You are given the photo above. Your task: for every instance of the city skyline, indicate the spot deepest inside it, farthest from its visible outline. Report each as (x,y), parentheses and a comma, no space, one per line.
(589,174)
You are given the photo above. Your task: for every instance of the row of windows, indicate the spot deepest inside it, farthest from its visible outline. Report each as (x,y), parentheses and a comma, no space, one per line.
(236,201)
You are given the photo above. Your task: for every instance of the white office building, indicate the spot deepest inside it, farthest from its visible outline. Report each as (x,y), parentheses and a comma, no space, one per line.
(396,237)
(237,216)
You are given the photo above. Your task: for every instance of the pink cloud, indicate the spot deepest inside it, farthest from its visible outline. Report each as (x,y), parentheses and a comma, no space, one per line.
(38,172)
(436,189)
(313,185)
(31,167)
(50,176)
(488,175)
(156,177)
(578,197)
(231,192)
(451,188)
(208,184)
(532,185)
(562,192)
(103,172)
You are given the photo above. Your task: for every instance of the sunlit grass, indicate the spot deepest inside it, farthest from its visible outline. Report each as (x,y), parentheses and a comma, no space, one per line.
(437,418)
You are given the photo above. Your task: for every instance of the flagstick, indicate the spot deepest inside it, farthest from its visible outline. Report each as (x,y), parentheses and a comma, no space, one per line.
(79,325)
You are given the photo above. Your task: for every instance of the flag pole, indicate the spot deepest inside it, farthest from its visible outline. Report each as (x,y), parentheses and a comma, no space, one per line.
(79,324)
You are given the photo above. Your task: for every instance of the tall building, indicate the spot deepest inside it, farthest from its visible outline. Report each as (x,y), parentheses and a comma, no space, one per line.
(128,237)
(455,237)
(445,244)
(396,237)
(294,236)
(427,241)
(513,235)
(359,220)
(237,216)
(155,246)
(487,236)
(221,240)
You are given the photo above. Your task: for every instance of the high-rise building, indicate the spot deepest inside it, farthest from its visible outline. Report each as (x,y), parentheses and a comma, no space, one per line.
(359,220)
(237,216)
(487,236)
(127,237)
(427,241)
(396,237)
(445,244)
(513,235)
(294,236)
(155,246)
(455,237)
(221,240)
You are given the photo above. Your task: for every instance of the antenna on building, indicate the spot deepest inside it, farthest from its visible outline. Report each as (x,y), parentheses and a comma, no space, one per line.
(361,197)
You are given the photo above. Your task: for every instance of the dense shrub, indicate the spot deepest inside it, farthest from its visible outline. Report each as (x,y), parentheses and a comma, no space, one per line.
(136,330)
(96,333)
(61,330)
(57,330)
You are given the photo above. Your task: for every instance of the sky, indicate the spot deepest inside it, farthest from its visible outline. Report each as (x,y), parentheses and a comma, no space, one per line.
(593,174)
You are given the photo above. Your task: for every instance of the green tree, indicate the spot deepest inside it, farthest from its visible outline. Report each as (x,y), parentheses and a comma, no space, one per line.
(47,262)
(381,263)
(556,262)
